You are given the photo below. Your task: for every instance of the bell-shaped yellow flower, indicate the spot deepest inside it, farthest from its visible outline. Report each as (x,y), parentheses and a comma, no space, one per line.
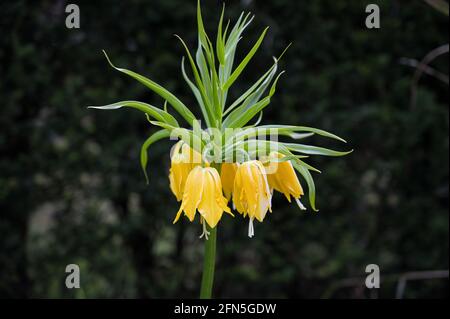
(203,192)
(227,174)
(281,176)
(251,193)
(183,160)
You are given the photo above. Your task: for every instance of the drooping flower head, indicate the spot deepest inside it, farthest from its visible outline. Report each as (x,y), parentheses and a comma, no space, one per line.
(203,193)
(183,160)
(227,175)
(251,193)
(282,178)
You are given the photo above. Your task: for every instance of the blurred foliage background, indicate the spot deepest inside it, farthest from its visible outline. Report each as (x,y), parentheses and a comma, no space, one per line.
(72,191)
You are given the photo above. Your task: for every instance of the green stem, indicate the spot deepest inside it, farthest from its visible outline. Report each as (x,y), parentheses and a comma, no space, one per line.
(209,263)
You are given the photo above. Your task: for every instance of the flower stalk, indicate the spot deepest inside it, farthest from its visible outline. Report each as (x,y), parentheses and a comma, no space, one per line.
(209,264)
(209,256)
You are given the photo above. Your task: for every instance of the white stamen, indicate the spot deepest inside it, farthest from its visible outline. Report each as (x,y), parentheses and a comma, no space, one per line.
(299,203)
(251,229)
(205,232)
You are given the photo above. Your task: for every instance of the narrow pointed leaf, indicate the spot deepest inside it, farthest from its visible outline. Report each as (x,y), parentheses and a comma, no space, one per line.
(292,129)
(159,135)
(245,61)
(158,89)
(186,135)
(314,150)
(244,113)
(197,94)
(151,110)
(256,90)
(220,44)
(310,182)
(199,82)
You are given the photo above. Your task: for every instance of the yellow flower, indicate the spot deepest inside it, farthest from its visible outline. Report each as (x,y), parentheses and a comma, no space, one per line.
(227,174)
(203,192)
(183,160)
(251,193)
(282,178)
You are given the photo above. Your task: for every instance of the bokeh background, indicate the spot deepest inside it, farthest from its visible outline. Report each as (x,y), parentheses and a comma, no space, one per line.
(72,191)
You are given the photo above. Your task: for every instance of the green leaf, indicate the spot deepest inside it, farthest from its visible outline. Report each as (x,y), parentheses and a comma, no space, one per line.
(158,89)
(314,150)
(244,113)
(230,51)
(244,62)
(204,71)
(310,167)
(151,110)
(191,137)
(235,34)
(286,158)
(159,135)
(260,148)
(219,43)
(309,181)
(201,29)
(197,95)
(256,90)
(258,120)
(198,80)
(215,85)
(299,136)
(289,129)
(209,87)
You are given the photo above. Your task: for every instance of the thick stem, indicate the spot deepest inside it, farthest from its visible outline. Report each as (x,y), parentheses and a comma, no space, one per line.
(209,264)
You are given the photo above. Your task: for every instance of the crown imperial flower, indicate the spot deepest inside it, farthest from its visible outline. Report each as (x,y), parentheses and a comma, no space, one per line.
(282,178)
(243,156)
(183,160)
(203,193)
(251,193)
(226,132)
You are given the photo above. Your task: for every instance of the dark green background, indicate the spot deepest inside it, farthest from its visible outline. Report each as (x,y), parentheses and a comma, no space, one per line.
(71,189)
